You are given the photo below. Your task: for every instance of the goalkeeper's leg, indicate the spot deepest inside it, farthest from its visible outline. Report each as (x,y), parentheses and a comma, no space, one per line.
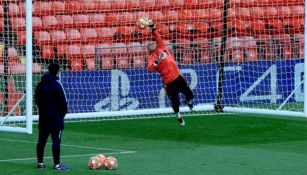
(172,93)
(185,89)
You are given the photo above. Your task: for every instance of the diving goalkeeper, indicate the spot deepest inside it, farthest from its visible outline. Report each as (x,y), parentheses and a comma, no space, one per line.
(163,62)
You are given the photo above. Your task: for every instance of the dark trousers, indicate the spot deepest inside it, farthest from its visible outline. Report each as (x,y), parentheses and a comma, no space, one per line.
(172,90)
(56,145)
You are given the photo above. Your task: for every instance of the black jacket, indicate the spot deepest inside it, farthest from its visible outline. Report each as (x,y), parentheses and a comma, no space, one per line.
(51,101)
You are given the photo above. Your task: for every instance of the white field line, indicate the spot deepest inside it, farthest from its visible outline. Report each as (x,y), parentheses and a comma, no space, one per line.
(115,151)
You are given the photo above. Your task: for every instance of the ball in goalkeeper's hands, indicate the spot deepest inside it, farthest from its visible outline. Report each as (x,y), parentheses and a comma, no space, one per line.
(144,22)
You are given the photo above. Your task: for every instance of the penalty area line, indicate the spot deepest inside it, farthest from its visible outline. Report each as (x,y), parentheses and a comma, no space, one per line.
(68,156)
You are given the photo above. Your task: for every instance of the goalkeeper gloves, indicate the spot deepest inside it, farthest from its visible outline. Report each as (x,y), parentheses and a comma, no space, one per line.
(151,25)
(156,63)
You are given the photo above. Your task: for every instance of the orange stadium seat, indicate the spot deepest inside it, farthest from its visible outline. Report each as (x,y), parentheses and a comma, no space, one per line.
(103,4)
(235,3)
(73,51)
(283,11)
(88,51)
(61,50)
(294,25)
(90,64)
(88,34)
(274,26)
(176,3)
(270,12)
(148,4)
(297,11)
(201,14)
(186,15)
(156,16)
(72,6)
(183,51)
(97,19)
(121,18)
(162,4)
(257,12)
(37,23)
(72,35)
(201,50)
(47,52)
(118,4)
(65,21)
(76,64)
(125,33)
(216,29)
(58,36)
(249,45)
(215,14)
(105,56)
(87,5)
(133,4)
(190,4)
(201,29)
(42,8)
(257,26)
(181,30)
(58,6)
(13,55)
(106,33)
(1,11)
(42,37)
(22,8)
(14,10)
(205,4)
(18,23)
(81,20)
(21,37)
(248,3)
(163,30)
(137,54)
(49,22)
(171,16)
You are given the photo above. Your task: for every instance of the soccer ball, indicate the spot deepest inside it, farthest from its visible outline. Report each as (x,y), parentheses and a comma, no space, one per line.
(110,163)
(142,22)
(94,163)
(102,158)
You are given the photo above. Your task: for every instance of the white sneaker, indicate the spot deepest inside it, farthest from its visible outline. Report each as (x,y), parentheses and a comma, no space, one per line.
(181,121)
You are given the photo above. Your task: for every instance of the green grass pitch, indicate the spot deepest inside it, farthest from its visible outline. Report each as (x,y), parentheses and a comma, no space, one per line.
(233,144)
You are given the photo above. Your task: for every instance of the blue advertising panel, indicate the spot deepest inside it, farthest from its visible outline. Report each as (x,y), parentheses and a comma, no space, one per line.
(122,89)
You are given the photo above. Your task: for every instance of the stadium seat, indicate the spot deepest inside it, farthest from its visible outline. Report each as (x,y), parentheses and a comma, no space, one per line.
(103,5)
(105,56)
(201,14)
(87,5)
(234,52)
(284,12)
(190,4)
(257,26)
(81,20)
(61,50)
(58,36)
(248,3)
(137,54)
(274,26)
(297,11)
(238,27)
(181,30)
(49,22)
(118,4)
(97,20)
(65,21)
(201,29)
(72,35)
(215,14)
(265,47)
(1,10)
(21,37)
(162,4)
(202,50)
(270,12)
(156,16)
(163,30)
(177,3)
(76,64)
(148,4)
(257,13)
(299,45)
(42,8)
(186,15)
(294,25)
(205,4)
(106,33)
(90,64)
(73,51)
(47,52)
(72,6)
(126,33)
(171,16)
(284,48)
(216,29)
(58,7)
(14,10)
(249,45)
(18,23)
(88,34)
(88,51)
(42,37)
(133,4)
(122,18)
(13,55)
(183,52)
(37,23)
(120,54)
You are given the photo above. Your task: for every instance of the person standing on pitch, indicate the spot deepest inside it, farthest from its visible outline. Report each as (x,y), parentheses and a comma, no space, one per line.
(52,107)
(163,62)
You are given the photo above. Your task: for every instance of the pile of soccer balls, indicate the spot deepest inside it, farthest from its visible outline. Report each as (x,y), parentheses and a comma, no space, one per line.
(98,161)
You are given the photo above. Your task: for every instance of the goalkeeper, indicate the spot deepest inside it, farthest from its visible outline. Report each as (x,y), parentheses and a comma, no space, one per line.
(164,63)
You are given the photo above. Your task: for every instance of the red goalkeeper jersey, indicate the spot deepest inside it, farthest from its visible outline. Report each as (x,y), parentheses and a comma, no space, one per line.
(167,67)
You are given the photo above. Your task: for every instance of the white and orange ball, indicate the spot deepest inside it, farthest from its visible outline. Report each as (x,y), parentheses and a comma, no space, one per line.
(110,163)
(142,22)
(102,158)
(94,163)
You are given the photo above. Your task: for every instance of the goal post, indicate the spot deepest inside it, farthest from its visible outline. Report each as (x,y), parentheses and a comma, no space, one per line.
(237,56)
